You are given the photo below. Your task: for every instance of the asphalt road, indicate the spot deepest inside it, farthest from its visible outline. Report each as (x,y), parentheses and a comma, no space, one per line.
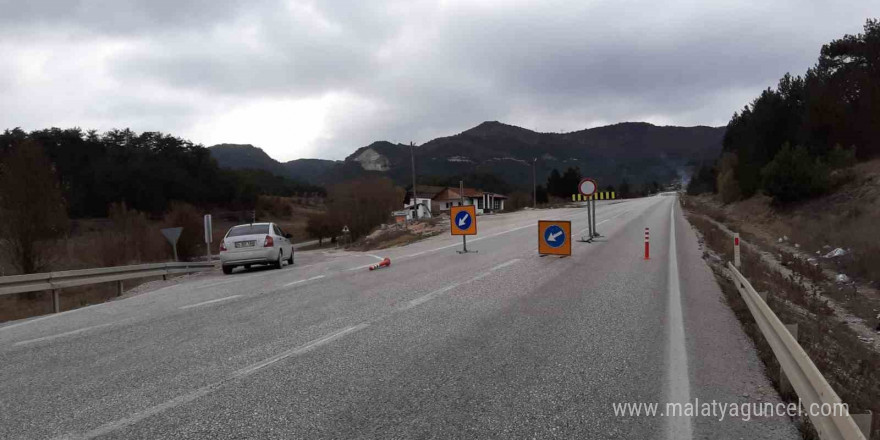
(500,343)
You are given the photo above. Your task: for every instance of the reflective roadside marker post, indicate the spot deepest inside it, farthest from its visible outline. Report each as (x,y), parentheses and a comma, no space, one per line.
(554,238)
(647,244)
(736,260)
(463,221)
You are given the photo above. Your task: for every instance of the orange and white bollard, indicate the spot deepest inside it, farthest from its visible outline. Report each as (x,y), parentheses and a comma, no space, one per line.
(384,263)
(647,244)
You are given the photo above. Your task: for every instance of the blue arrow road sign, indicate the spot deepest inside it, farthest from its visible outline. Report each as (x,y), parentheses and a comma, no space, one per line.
(463,220)
(554,236)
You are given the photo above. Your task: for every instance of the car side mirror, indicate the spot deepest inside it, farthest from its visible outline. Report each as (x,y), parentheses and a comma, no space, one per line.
(288,236)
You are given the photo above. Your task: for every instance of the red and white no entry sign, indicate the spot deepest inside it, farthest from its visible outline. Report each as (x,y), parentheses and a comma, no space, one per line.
(587,187)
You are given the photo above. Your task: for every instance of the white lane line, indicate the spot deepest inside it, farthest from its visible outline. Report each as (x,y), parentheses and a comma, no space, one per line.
(250,369)
(227,298)
(305,280)
(429,296)
(376,257)
(503,265)
(61,335)
(205,390)
(31,321)
(678,382)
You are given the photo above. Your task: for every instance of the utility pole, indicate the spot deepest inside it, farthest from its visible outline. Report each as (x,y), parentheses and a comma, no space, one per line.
(534,183)
(412,156)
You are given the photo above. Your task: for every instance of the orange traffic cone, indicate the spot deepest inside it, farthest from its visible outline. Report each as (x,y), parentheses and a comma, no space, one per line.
(384,263)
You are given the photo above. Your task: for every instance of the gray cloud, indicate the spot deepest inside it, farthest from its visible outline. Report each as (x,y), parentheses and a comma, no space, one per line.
(404,70)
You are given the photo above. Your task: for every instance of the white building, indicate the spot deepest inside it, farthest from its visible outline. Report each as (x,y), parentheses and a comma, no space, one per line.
(484,201)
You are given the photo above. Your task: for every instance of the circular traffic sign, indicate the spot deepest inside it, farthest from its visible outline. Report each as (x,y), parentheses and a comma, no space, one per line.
(554,236)
(588,186)
(463,220)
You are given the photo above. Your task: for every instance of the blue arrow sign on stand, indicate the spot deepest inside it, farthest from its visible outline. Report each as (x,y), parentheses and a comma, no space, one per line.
(463,220)
(554,236)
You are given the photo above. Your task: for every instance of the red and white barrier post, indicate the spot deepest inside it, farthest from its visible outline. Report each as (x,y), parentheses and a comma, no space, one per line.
(647,244)
(384,263)
(736,260)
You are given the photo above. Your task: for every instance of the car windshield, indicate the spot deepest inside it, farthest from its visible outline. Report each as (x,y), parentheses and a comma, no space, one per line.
(248,230)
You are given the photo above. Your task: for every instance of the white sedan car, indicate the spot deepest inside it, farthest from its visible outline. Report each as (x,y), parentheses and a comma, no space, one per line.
(255,243)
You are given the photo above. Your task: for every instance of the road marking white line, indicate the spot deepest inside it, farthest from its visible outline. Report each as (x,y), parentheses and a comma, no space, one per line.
(205,390)
(296,351)
(376,257)
(678,382)
(227,298)
(305,280)
(429,296)
(61,335)
(503,265)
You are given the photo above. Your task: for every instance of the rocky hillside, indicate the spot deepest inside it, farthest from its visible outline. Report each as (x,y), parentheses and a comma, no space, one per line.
(637,152)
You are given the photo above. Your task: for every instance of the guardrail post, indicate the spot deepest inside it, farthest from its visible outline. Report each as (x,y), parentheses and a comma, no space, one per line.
(119,288)
(56,301)
(864,423)
(785,387)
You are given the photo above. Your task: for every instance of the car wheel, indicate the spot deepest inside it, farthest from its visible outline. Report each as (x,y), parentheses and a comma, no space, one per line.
(228,269)
(290,260)
(280,261)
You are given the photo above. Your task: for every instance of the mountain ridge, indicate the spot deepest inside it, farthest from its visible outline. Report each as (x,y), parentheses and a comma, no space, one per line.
(638,152)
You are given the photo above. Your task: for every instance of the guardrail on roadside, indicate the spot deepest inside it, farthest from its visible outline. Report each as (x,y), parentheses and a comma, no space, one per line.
(806,380)
(55,281)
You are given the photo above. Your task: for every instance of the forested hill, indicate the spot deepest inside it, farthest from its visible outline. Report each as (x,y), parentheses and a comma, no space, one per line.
(146,170)
(635,152)
(788,142)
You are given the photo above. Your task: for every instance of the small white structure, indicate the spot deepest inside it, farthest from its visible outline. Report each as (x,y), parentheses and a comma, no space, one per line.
(484,201)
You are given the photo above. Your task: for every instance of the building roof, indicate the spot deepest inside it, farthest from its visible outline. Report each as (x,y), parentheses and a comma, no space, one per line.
(451,193)
(425,191)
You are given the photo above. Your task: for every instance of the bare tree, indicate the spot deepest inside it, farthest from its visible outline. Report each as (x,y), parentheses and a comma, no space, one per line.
(363,203)
(32,211)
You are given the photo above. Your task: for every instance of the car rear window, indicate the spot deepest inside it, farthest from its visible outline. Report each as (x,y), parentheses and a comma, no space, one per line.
(248,230)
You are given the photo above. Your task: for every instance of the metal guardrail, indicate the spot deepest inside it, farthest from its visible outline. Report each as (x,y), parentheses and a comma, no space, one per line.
(55,281)
(809,384)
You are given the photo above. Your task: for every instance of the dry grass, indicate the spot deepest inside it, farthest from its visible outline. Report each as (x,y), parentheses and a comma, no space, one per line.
(851,367)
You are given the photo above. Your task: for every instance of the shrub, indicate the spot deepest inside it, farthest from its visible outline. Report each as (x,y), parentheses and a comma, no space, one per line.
(728,186)
(794,175)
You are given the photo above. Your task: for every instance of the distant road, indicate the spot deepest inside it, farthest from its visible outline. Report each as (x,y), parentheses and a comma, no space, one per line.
(496,344)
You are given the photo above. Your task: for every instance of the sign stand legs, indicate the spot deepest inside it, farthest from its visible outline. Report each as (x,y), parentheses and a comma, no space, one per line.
(590,226)
(464,249)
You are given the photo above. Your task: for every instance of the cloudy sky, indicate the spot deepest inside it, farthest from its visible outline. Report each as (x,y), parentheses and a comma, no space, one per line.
(321,78)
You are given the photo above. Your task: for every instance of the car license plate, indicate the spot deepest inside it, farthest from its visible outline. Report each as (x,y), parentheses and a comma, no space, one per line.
(242,244)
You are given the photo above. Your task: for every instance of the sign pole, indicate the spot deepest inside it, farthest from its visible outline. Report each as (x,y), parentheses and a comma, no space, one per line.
(595,232)
(589,220)
(209,235)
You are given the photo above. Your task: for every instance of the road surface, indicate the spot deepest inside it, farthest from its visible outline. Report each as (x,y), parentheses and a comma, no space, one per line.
(500,343)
